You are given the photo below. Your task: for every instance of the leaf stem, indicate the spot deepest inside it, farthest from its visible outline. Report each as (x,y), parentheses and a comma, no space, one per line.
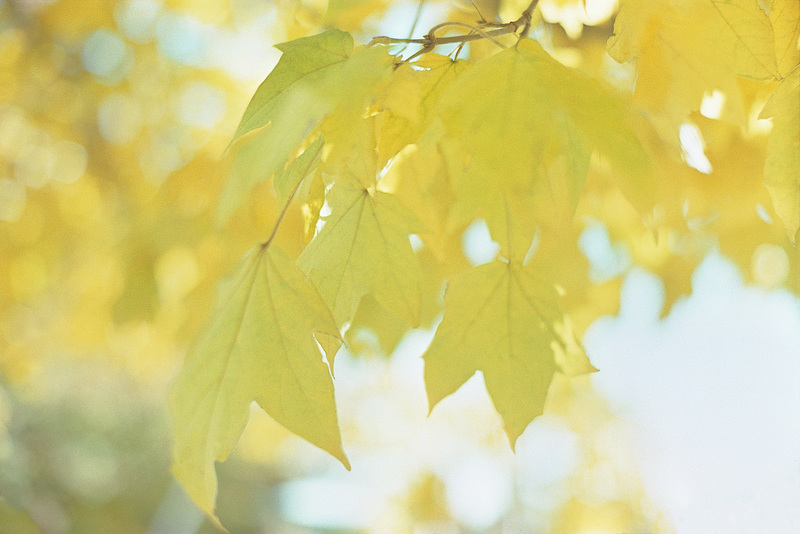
(282,214)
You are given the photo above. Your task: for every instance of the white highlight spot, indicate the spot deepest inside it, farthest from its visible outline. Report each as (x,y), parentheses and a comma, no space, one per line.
(712,104)
(478,245)
(712,391)
(479,491)
(692,144)
(416,242)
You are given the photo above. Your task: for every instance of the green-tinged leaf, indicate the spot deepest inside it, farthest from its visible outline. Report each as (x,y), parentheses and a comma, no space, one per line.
(570,356)
(511,223)
(313,195)
(782,167)
(518,112)
(287,182)
(502,319)
(260,346)
(409,100)
(16,520)
(363,248)
(305,62)
(315,76)
(350,147)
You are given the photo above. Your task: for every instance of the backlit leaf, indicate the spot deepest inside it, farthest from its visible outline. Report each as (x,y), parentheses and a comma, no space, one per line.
(686,49)
(315,76)
(410,98)
(304,165)
(501,319)
(259,346)
(782,167)
(362,248)
(519,111)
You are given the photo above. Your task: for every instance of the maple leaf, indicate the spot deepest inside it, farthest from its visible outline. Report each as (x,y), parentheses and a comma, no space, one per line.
(260,346)
(419,179)
(351,146)
(677,64)
(500,319)
(782,166)
(362,248)
(409,100)
(516,113)
(315,76)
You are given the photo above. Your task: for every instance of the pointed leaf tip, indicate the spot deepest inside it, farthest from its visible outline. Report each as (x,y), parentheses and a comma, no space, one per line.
(502,319)
(259,346)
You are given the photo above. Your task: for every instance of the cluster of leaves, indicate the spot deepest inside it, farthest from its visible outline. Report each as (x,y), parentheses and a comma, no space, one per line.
(370,150)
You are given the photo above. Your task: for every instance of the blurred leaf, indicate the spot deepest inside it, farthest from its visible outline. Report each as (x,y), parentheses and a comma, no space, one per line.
(782,167)
(16,521)
(678,65)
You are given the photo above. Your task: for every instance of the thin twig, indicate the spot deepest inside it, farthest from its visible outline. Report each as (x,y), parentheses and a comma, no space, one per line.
(285,209)
(528,16)
(470,27)
(382,39)
(431,41)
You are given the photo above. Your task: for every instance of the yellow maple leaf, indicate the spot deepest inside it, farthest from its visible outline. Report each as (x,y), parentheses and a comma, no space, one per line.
(374,330)
(315,76)
(501,318)
(260,346)
(520,111)
(350,146)
(782,166)
(362,248)
(409,99)
(686,49)
(784,16)
(419,179)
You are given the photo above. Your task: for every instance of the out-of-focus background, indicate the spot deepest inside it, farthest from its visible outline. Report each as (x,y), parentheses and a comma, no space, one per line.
(114,119)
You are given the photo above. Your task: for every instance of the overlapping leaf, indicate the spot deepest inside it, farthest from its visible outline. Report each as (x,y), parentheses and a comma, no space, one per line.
(315,76)
(419,179)
(688,48)
(362,248)
(502,319)
(286,183)
(782,167)
(260,346)
(409,100)
(518,112)
(764,40)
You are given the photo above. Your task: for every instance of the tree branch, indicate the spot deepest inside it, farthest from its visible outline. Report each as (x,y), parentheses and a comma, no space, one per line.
(431,41)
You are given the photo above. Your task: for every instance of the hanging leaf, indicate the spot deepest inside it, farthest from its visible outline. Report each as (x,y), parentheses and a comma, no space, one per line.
(259,346)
